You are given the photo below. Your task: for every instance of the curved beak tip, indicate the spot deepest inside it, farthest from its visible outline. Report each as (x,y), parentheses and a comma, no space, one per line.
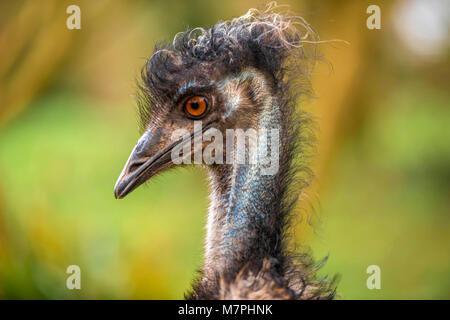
(119,188)
(117,193)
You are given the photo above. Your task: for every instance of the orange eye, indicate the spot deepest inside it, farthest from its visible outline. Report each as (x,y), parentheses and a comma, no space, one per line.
(196,107)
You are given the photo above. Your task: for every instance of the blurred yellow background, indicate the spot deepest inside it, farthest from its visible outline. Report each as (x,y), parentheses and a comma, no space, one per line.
(68,123)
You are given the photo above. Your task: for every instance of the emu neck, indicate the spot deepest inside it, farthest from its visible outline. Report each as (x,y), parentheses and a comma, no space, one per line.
(242,221)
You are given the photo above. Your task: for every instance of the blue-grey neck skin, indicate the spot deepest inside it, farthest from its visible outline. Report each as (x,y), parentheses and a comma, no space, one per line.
(241,201)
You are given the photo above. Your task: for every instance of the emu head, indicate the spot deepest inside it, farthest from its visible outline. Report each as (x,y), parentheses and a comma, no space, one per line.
(225,76)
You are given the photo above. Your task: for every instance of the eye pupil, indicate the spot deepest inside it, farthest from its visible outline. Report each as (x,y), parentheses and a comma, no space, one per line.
(194,105)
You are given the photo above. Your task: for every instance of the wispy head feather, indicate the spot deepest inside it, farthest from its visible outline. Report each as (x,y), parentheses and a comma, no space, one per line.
(268,40)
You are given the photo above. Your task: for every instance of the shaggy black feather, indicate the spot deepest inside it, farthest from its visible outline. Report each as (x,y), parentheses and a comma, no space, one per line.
(263,40)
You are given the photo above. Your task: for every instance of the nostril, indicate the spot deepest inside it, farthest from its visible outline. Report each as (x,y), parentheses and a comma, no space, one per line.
(133,167)
(136,164)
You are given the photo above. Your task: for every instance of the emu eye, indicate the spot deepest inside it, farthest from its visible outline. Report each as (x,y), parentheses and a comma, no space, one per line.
(195,107)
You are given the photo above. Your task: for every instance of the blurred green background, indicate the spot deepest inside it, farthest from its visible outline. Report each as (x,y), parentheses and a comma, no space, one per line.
(68,123)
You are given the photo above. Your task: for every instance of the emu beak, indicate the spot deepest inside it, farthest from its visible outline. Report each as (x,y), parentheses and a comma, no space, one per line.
(150,155)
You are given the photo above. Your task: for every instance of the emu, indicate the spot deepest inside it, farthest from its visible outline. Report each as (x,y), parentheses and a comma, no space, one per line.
(239,74)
